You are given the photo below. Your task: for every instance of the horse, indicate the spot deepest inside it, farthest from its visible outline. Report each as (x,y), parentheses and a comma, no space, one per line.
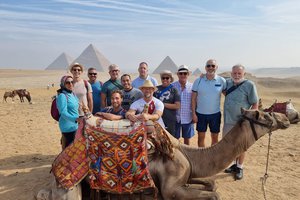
(23,93)
(10,94)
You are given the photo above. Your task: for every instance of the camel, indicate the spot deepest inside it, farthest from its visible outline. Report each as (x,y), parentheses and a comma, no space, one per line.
(177,178)
(10,94)
(23,93)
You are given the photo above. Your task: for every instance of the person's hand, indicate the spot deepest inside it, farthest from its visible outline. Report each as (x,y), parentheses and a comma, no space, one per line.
(99,113)
(144,117)
(195,118)
(132,118)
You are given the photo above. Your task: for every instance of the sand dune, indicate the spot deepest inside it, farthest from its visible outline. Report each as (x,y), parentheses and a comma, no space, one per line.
(30,141)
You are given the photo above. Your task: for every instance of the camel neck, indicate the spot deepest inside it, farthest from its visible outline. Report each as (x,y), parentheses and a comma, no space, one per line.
(212,160)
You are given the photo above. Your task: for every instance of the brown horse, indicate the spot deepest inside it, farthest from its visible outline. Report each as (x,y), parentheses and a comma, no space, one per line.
(23,93)
(10,94)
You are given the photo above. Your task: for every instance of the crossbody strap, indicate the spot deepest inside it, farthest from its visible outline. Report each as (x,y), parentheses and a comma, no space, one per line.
(234,87)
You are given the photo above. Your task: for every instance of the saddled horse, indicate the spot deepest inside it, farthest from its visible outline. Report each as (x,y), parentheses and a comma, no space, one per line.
(10,94)
(23,93)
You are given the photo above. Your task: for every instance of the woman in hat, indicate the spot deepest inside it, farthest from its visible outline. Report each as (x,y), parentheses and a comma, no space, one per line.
(67,105)
(171,99)
(82,88)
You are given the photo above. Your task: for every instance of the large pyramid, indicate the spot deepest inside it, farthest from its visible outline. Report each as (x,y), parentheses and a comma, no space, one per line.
(166,64)
(91,57)
(62,62)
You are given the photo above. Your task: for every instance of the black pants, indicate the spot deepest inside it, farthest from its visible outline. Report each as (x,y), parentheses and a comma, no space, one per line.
(69,137)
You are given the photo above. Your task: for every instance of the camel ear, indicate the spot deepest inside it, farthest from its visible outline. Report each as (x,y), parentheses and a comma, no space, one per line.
(257,114)
(243,110)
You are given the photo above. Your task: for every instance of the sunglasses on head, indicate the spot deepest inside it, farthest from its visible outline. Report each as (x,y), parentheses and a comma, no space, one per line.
(212,66)
(165,78)
(93,74)
(69,82)
(182,73)
(76,70)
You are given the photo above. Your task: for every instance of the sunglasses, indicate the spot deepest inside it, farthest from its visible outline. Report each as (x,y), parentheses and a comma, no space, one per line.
(182,73)
(93,74)
(212,66)
(165,78)
(68,82)
(115,70)
(76,70)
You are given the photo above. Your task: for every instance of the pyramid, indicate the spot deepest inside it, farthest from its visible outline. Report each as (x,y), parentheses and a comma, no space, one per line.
(197,72)
(62,62)
(91,57)
(166,64)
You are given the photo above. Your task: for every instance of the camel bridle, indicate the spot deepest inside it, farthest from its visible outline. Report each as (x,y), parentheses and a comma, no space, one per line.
(252,122)
(269,126)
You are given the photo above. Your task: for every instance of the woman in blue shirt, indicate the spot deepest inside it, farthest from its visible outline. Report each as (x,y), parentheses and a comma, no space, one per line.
(67,105)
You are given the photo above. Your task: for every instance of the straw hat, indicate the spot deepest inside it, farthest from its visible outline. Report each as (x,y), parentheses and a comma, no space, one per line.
(147,84)
(76,65)
(168,73)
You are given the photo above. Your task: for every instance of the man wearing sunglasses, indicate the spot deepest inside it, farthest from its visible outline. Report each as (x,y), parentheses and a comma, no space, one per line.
(184,121)
(206,99)
(96,86)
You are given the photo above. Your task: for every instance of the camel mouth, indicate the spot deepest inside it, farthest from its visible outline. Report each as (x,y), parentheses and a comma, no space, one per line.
(281,120)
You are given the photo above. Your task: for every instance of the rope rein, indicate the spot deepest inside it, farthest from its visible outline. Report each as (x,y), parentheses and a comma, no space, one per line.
(264,178)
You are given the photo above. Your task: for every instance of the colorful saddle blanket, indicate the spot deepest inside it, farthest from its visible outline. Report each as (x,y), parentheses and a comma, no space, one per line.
(114,161)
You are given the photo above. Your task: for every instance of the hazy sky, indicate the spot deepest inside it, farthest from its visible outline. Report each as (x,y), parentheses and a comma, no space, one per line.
(256,33)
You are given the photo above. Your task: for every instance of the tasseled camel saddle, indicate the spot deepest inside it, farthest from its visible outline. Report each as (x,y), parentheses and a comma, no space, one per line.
(112,154)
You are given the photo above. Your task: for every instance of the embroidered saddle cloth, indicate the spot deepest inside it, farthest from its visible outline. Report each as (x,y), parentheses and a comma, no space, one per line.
(114,161)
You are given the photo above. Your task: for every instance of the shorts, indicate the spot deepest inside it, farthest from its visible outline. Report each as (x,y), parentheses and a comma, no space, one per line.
(187,130)
(213,120)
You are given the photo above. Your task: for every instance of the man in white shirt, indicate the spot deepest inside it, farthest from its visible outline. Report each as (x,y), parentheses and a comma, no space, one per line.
(148,107)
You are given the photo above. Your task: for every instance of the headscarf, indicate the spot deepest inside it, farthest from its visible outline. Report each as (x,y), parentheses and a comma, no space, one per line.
(62,83)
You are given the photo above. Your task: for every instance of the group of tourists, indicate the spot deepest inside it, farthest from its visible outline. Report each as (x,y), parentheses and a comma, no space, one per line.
(177,106)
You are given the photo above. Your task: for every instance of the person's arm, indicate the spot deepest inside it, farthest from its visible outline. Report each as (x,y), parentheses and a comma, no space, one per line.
(194,103)
(254,106)
(130,114)
(172,106)
(109,116)
(154,117)
(103,100)
(90,101)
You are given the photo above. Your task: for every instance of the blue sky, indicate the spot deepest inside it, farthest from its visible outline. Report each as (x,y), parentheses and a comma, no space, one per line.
(256,33)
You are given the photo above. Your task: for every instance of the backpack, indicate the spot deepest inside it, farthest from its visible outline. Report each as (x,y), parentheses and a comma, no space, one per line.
(54,111)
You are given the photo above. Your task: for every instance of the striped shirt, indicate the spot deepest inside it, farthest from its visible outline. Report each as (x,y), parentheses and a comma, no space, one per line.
(184,115)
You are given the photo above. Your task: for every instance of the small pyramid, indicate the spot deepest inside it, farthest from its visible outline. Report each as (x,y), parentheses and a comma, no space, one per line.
(91,57)
(197,72)
(62,62)
(166,64)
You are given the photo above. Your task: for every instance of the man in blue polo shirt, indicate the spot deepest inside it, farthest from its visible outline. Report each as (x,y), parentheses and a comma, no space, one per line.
(143,75)
(206,99)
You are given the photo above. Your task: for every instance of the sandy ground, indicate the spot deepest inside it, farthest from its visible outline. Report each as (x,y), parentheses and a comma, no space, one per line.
(30,141)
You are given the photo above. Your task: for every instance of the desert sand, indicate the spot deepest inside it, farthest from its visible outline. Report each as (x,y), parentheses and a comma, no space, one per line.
(30,141)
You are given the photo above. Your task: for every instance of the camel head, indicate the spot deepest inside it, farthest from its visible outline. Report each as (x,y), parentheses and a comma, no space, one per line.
(268,120)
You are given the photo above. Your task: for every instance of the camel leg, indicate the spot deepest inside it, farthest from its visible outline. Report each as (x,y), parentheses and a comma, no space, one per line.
(208,184)
(189,193)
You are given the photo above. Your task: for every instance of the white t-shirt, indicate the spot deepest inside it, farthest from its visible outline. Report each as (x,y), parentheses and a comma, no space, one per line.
(138,106)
